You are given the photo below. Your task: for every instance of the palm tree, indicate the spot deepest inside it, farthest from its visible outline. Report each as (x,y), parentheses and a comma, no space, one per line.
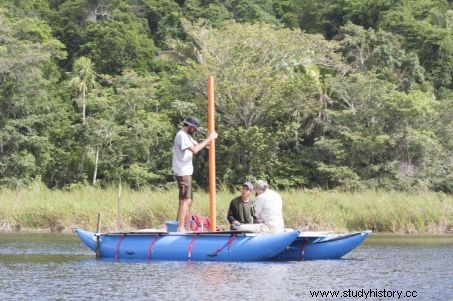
(83,80)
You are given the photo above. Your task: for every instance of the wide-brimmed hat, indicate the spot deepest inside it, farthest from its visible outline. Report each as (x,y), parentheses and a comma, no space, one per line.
(192,121)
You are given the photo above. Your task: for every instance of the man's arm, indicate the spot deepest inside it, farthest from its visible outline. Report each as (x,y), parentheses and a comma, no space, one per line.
(258,208)
(198,147)
(255,219)
(230,216)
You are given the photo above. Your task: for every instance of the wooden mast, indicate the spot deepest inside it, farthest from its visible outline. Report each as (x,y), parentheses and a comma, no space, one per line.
(212,175)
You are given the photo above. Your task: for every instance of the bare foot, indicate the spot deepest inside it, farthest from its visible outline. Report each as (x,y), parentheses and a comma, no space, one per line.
(181,230)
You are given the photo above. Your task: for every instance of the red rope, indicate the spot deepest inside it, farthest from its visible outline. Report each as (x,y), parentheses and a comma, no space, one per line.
(189,251)
(118,244)
(302,248)
(150,250)
(230,241)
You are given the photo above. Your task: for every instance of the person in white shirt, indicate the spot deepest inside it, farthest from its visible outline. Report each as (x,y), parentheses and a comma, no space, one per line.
(184,148)
(268,207)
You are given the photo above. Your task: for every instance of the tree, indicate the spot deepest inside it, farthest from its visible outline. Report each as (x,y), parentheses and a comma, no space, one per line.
(129,131)
(82,81)
(316,17)
(378,132)
(108,32)
(252,11)
(367,13)
(263,89)
(213,11)
(423,27)
(163,20)
(377,51)
(30,107)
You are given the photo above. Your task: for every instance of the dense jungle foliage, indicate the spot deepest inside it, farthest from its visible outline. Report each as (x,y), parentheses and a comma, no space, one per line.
(344,94)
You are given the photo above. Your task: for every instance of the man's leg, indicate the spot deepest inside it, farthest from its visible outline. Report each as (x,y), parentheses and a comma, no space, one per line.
(188,215)
(185,202)
(182,214)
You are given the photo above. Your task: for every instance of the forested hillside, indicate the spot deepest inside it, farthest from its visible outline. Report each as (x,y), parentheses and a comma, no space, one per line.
(344,94)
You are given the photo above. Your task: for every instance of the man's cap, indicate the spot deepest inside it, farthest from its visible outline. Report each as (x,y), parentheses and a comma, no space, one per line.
(249,185)
(192,121)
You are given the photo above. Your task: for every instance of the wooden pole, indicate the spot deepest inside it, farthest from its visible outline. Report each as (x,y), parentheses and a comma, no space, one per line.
(98,242)
(212,174)
(96,162)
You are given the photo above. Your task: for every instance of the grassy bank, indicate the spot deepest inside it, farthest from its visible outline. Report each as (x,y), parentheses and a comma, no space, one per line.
(41,209)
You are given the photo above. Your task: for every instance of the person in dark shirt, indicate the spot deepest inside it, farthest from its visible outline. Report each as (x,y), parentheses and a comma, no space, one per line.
(241,209)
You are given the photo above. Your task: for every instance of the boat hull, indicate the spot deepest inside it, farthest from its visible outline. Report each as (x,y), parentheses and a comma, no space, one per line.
(316,247)
(189,246)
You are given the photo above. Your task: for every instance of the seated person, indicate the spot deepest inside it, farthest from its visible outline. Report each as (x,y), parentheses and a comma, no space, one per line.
(241,208)
(268,207)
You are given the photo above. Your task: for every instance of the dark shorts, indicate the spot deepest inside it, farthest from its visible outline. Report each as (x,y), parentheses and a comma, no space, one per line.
(185,187)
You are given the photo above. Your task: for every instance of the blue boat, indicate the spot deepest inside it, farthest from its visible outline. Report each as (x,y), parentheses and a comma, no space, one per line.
(315,246)
(197,246)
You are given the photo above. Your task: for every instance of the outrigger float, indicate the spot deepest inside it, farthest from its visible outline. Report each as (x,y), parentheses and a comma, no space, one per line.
(317,245)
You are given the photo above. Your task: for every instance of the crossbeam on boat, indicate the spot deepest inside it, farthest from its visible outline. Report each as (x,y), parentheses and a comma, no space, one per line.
(179,233)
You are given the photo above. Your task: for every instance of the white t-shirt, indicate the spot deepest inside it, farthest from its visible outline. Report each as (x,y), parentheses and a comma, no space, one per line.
(268,209)
(182,156)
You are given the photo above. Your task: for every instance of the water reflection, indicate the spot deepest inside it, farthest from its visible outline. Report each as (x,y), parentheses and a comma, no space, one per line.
(409,240)
(42,258)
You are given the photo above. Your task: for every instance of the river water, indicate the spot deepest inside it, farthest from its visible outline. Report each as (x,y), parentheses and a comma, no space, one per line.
(385,267)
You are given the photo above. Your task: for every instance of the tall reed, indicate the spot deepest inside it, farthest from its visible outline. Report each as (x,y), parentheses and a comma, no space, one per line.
(40,209)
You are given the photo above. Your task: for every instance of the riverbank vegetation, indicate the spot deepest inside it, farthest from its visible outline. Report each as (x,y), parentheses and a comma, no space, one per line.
(344,94)
(40,209)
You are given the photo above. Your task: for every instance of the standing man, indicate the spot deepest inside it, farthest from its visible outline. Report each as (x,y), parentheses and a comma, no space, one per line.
(184,148)
(241,209)
(268,207)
